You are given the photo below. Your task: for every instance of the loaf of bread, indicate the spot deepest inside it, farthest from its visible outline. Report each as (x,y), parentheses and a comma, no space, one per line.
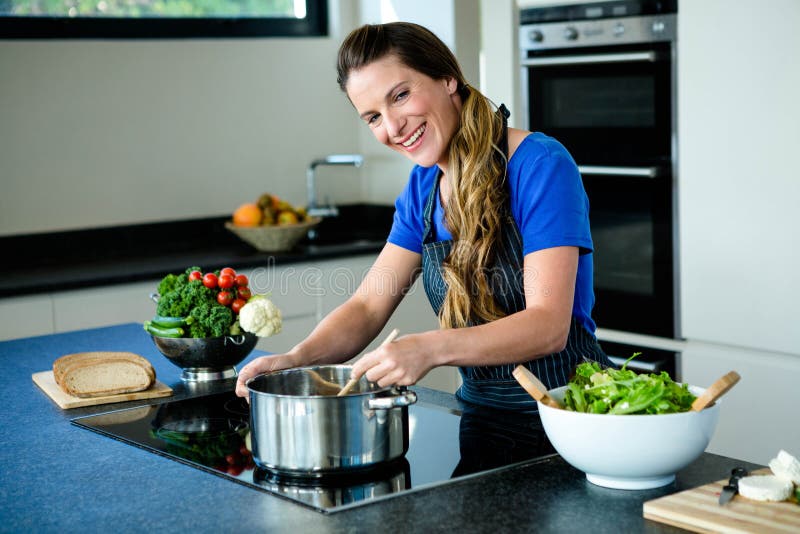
(97,374)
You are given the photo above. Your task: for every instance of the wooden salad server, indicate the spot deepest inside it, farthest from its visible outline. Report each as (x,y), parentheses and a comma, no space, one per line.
(534,386)
(715,391)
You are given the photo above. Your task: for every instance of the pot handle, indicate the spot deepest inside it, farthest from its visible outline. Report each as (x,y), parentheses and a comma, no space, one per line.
(405,398)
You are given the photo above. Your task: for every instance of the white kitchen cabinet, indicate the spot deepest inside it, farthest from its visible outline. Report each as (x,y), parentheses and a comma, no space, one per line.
(293,288)
(294,329)
(31,315)
(295,294)
(103,306)
(341,278)
(739,184)
(758,417)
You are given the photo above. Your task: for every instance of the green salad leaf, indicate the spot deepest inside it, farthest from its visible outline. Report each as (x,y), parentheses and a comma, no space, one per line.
(593,389)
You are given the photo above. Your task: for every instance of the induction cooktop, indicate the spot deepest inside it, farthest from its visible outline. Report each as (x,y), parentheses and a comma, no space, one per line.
(211,433)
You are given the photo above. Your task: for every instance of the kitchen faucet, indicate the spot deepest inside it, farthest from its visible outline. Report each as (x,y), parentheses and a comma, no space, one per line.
(336,159)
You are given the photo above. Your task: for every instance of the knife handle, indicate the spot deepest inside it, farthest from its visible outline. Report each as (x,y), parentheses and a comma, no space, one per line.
(736,474)
(732,487)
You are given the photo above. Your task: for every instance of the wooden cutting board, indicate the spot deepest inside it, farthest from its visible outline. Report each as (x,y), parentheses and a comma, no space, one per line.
(698,510)
(47,383)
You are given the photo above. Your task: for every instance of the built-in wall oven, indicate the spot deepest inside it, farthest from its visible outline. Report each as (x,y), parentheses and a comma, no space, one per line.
(600,78)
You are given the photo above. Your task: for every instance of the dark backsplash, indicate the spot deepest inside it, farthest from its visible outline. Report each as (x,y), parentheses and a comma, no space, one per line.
(99,256)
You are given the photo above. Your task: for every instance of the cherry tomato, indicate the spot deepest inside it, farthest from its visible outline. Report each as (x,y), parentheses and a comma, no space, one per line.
(241,280)
(195,275)
(225,281)
(227,270)
(237,304)
(243,450)
(235,470)
(232,458)
(243,293)
(210,280)
(225,298)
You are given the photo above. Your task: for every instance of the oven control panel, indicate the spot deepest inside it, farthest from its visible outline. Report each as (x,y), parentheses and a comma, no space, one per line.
(602,32)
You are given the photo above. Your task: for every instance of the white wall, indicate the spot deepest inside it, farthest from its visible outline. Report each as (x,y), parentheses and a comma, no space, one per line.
(499,70)
(457,23)
(103,132)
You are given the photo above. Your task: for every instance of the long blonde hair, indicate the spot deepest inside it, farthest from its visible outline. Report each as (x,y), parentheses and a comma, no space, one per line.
(475,211)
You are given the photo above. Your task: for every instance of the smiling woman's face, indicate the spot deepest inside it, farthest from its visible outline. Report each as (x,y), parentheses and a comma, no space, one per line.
(406,110)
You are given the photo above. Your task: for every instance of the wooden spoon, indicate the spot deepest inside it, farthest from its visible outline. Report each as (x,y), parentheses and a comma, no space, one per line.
(355,378)
(715,391)
(534,386)
(325,387)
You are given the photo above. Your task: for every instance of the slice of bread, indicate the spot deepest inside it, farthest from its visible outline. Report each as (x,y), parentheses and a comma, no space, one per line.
(97,374)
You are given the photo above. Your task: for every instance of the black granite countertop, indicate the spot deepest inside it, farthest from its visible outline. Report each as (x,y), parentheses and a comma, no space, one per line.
(77,259)
(58,477)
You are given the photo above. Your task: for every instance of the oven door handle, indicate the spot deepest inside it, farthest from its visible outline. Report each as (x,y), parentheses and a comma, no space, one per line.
(627,57)
(642,172)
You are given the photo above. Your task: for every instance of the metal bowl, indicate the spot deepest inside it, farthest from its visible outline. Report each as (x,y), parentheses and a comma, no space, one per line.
(209,358)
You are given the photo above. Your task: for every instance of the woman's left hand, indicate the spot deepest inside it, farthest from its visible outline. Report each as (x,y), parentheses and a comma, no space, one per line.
(402,362)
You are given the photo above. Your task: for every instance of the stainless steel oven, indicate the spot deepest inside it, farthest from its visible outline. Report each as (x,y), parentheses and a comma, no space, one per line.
(600,78)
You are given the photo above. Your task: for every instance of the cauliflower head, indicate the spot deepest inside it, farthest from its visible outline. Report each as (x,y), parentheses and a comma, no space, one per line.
(261,317)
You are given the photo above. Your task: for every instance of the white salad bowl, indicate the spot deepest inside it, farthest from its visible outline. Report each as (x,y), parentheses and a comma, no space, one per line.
(629,451)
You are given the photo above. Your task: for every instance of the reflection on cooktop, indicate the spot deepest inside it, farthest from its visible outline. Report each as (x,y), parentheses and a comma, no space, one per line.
(212,433)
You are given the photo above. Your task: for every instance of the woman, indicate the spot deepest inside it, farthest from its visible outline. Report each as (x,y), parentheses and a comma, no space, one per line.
(495,217)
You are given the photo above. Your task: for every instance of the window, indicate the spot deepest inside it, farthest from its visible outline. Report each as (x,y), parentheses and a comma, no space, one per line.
(109,19)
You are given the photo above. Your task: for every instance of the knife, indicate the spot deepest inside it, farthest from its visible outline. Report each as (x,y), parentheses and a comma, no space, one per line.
(732,487)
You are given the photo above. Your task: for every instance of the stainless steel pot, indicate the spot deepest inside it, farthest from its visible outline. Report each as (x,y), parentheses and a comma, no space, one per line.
(324,494)
(300,427)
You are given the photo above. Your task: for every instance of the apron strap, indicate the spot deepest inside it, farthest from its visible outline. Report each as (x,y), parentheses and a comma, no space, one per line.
(505,114)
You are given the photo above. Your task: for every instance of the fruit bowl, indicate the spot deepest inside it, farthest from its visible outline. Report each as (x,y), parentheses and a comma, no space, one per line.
(273,238)
(629,451)
(209,358)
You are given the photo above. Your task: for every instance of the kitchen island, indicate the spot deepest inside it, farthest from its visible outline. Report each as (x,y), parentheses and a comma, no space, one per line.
(58,477)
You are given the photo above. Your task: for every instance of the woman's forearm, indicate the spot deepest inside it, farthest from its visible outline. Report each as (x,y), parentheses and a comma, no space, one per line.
(348,329)
(342,334)
(520,337)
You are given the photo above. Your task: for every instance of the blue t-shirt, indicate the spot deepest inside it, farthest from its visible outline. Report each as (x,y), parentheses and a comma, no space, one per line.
(548,203)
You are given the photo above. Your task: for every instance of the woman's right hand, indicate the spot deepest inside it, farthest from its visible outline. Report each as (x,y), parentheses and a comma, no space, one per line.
(261,365)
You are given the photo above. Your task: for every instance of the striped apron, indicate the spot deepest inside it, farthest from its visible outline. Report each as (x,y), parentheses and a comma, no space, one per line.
(495,386)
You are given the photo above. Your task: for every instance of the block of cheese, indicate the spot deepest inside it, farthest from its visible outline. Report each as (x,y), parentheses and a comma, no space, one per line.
(786,466)
(765,488)
(96,374)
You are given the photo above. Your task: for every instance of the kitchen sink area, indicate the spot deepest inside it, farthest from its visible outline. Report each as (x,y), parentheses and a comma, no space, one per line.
(104,256)
(356,225)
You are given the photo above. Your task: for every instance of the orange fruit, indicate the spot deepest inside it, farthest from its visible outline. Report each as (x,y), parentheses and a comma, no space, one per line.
(287,217)
(248,214)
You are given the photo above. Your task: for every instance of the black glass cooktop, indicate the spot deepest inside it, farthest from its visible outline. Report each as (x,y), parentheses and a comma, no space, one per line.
(212,433)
